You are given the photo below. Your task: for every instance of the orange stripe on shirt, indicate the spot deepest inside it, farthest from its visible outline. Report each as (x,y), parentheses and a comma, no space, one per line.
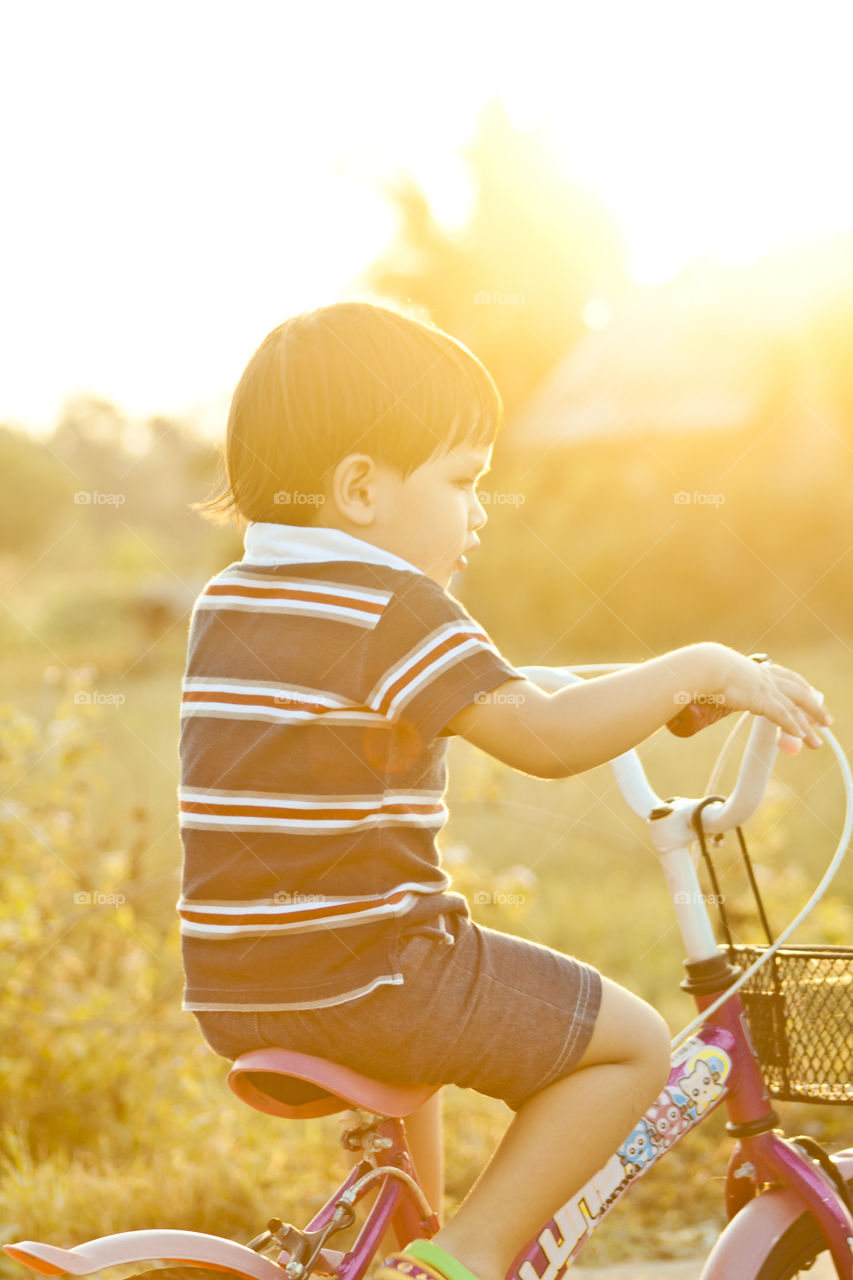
(411,674)
(296,594)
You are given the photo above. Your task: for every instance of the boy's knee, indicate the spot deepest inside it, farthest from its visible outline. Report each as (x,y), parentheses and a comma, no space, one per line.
(647,1058)
(632,1033)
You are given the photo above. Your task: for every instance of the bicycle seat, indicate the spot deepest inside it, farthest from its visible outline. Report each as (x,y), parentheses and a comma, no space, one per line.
(298,1086)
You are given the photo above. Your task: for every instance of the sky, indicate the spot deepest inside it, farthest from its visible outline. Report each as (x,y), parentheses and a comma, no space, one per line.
(180,176)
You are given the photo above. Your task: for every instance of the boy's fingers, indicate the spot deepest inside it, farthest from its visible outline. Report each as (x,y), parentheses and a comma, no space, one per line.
(782,711)
(795,710)
(802,693)
(803,720)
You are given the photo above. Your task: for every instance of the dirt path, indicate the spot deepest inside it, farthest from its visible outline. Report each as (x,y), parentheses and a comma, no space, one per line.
(641,1271)
(823,1270)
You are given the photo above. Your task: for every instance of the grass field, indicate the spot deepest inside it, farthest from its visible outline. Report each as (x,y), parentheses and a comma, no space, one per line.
(116,1115)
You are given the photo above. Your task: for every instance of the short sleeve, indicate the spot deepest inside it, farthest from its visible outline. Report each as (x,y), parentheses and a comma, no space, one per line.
(427,658)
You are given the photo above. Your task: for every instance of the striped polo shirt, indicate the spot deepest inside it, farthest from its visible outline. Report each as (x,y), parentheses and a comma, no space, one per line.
(321,671)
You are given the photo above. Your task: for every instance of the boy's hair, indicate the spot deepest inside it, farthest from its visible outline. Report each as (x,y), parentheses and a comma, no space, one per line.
(352,377)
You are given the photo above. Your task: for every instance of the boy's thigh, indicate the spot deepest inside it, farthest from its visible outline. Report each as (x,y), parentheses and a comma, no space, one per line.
(490,1012)
(521,1014)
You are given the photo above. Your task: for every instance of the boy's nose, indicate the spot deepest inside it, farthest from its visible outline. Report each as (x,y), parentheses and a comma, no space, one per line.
(478,516)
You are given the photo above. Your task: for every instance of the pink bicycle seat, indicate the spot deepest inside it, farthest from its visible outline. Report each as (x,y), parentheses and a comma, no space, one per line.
(298,1086)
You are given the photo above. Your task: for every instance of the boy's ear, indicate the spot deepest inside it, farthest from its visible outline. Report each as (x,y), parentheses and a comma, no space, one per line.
(352,488)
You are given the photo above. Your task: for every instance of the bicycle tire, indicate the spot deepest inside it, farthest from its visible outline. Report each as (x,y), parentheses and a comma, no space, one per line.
(797,1249)
(185,1273)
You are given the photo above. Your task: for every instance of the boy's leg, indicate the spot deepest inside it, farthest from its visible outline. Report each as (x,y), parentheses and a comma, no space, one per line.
(424,1136)
(562,1135)
(424,1133)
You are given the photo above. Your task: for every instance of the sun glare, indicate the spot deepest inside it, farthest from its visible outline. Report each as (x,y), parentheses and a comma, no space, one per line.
(712,134)
(705,134)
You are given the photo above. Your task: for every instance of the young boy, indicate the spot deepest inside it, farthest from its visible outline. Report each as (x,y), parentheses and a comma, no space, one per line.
(325,673)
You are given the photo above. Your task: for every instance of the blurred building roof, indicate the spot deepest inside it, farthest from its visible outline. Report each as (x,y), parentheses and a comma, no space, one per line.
(698,353)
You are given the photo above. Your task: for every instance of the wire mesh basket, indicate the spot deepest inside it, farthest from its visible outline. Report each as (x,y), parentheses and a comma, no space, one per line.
(800,1011)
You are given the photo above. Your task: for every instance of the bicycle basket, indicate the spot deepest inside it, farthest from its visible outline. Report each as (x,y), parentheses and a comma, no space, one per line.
(800,1011)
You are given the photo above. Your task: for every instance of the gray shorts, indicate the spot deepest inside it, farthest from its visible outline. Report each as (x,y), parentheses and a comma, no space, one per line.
(488,1011)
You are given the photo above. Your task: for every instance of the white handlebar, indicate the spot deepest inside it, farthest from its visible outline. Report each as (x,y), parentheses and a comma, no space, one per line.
(753,776)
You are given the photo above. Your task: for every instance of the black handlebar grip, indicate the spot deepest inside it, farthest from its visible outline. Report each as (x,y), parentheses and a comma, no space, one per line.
(696,716)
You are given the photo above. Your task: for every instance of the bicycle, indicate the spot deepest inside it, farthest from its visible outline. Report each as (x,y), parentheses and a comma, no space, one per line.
(788,1201)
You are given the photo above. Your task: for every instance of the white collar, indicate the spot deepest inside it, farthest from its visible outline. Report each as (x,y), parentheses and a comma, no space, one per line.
(268,543)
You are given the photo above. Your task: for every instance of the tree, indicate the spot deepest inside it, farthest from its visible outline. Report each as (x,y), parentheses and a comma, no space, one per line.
(35,493)
(513,284)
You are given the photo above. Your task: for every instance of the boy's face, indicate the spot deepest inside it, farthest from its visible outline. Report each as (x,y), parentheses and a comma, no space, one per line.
(431,517)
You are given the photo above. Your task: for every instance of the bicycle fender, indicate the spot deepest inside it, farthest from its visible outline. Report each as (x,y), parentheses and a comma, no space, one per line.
(748,1238)
(189,1247)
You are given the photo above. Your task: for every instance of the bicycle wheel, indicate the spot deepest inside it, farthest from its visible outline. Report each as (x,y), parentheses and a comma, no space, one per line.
(797,1250)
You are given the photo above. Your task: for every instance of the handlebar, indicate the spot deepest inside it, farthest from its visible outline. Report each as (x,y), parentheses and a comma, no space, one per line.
(756,767)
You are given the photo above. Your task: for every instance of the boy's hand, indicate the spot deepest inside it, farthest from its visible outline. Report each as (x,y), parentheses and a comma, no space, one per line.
(776,692)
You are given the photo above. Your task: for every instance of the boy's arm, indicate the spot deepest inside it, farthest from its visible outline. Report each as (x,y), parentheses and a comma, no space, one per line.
(555,734)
